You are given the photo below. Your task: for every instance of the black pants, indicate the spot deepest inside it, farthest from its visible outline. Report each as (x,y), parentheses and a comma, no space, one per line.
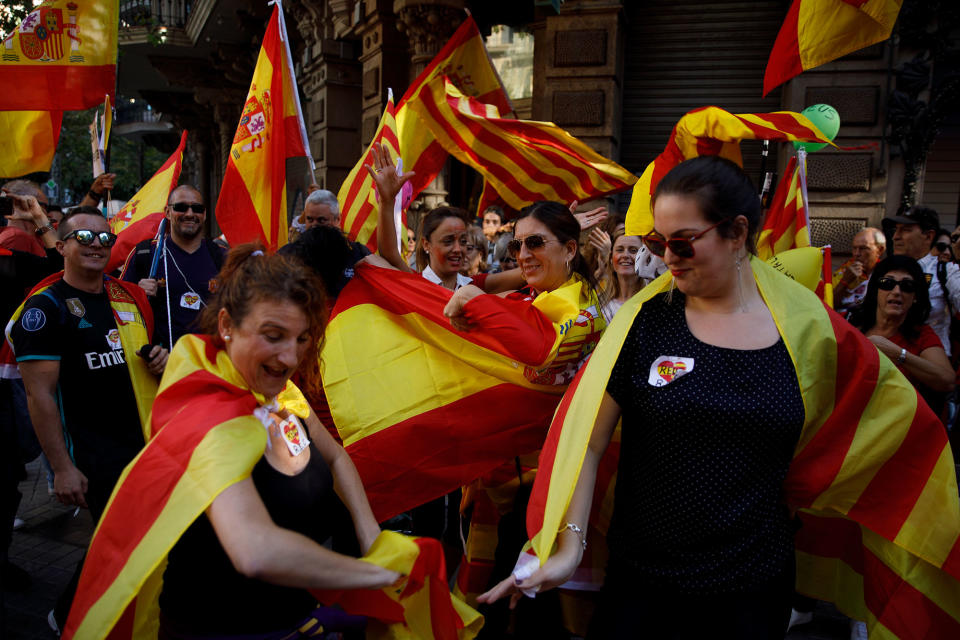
(626,612)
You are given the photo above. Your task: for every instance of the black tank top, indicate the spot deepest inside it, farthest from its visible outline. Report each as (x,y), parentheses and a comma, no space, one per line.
(204,594)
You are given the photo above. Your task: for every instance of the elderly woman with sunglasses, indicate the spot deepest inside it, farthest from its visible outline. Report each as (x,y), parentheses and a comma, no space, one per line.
(893,316)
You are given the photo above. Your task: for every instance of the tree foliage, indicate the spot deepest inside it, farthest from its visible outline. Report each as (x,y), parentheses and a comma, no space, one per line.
(12,13)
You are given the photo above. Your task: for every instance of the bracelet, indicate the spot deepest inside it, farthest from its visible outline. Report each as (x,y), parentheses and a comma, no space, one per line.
(902,357)
(577,530)
(96,196)
(42,230)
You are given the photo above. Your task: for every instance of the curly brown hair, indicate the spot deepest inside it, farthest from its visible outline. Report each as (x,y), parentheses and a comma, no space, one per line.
(247,279)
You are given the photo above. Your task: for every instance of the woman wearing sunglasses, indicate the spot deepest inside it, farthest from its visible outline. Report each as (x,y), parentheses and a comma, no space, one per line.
(715,369)
(893,316)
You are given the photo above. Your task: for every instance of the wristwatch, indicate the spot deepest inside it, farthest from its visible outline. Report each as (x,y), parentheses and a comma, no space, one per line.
(42,230)
(902,357)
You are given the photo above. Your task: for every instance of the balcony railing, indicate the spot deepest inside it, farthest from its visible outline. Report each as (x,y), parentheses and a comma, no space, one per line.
(132,110)
(155,13)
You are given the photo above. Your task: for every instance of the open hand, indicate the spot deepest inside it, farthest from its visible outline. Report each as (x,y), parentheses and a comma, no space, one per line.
(385,175)
(590,218)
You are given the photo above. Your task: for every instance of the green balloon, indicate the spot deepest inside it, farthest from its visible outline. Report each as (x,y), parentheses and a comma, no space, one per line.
(826,119)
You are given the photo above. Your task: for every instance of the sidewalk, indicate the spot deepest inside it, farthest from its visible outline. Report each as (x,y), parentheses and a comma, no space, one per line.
(52,542)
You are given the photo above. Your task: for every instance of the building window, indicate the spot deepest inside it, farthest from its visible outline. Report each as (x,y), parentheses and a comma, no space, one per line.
(512,55)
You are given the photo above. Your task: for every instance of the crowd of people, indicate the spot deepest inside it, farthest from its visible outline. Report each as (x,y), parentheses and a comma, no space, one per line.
(699,519)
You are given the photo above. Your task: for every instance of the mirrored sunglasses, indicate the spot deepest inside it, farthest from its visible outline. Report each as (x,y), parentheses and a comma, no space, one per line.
(86,237)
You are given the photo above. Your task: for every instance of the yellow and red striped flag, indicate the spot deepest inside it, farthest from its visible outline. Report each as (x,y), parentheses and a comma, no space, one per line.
(818,31)
(786,225)
(407,434)
(62,57)
(139,218)
(357,196)
(204,437)
(711,131)
(29,141)
(872,476)
(522,161)
(465,62)
(253,199)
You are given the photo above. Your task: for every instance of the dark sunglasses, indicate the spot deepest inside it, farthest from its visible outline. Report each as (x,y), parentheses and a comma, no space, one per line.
(955,237)
(182,207)
(533,243)
(942,246)
(86,237)
(680,247)
(888,284)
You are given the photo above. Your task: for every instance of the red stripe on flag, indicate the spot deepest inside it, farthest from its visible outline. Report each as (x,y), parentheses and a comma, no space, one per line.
(66,87)
(463,33)
(141,230)
(784,62)
(241,224)
(887,502)
(402,467)
(814,468)
(779,123)
(160,467)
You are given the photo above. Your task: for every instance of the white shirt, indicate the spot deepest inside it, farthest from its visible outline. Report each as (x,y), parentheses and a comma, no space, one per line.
(462,280)
(939,319)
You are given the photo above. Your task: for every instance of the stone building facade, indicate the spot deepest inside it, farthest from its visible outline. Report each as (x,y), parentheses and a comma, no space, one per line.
(616,74)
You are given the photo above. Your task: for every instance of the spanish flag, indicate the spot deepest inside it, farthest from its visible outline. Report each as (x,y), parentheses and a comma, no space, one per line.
(786,225)
(872,476)
(818,31)
(357,197)
(29,141)
(711,131)
(204,438)
(423,408)
(465,62)
(139,218)
(522,161)
(253,198)
(62,57)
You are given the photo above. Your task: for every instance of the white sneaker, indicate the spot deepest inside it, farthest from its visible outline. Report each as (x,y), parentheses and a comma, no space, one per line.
(53,623)
(799,617)
(858,630)
(18,523)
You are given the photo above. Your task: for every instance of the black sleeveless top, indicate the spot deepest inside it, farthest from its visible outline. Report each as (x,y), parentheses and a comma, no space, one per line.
(204,594)
(705,448)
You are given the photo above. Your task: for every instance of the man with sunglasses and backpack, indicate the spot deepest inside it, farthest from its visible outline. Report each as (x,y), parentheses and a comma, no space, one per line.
(186,268)
(82,345)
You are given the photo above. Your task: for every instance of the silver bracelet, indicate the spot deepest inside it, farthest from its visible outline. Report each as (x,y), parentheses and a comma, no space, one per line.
(902,357)
(577,530)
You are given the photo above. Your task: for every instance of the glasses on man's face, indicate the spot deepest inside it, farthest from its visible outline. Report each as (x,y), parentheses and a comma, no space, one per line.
(942,246)
(86,237)
(183,207)
(907,285)
(680,247)
(532,242)
(955,237)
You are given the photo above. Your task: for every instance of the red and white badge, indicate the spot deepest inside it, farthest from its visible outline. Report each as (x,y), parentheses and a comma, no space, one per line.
(666,369)
(293,435)
(190,300)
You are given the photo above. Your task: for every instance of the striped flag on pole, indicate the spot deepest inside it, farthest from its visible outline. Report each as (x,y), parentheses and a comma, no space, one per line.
(522,161)
(786,225)
(253,199)
(357,197)
(712,131)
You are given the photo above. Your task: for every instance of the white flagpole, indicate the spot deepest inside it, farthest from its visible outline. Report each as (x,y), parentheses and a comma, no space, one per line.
(296,91)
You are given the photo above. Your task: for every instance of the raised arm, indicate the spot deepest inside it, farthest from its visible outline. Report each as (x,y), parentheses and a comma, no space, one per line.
(388,185)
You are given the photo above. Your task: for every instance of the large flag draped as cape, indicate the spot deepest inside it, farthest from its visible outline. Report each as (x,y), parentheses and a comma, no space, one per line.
(62,57)
(711,131)
(818,31)
(253,198)
(139,218)
(204,438)
(872,476)
(423,408)
(29,141)
(521,161)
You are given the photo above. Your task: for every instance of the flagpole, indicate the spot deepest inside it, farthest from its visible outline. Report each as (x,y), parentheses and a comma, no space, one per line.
(296,90)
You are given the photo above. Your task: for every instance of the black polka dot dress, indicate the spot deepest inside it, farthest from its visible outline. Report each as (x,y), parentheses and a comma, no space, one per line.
(708,435)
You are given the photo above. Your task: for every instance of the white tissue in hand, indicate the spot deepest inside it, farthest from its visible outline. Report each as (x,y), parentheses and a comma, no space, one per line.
(526,565)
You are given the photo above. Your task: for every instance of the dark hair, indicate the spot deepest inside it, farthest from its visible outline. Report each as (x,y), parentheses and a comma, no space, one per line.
(865,317)
(721,189)
(561,223)
(325,250)
(493,209)
(475,236)
(429,224)
(84,210)
(246,279)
